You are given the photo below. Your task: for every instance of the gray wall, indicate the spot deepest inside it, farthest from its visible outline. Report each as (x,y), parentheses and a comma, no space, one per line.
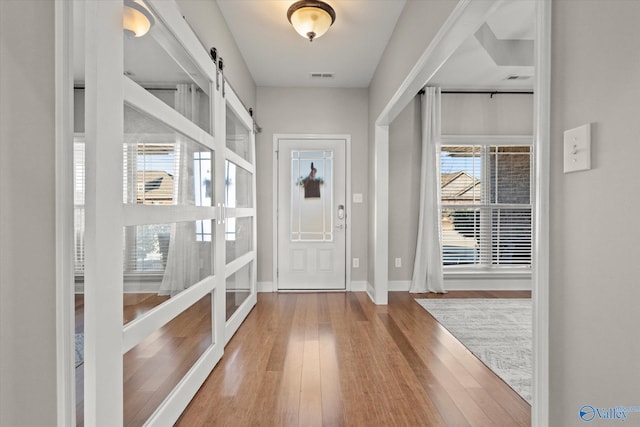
(462,114)
(404,189)
(419,22)
(321,111)
(27,215)
(594,292)
(480,114)
(207,21)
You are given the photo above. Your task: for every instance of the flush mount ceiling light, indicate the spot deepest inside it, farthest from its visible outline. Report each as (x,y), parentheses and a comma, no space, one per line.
(136,19)
(311,18)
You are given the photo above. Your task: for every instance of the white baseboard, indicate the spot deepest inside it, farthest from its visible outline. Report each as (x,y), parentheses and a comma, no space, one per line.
(371,291)
(399,285)
(265,287)
(359,286)
(467,284)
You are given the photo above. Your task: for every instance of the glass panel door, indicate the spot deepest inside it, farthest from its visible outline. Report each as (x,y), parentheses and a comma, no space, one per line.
(149,228)
(239,218)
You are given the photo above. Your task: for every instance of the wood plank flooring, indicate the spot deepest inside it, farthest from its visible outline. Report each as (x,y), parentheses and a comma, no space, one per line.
(336,359)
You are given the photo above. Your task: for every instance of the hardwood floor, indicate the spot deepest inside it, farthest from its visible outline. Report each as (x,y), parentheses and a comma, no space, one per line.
(337,359)
(153,368)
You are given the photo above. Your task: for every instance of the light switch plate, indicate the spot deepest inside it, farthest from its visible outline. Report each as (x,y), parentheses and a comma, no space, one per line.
(357,198)
(577,149)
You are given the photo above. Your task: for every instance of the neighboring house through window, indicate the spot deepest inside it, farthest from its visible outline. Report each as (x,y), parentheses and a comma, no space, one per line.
(486,195)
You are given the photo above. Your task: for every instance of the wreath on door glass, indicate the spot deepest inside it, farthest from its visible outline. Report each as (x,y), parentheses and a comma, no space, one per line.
(311,184)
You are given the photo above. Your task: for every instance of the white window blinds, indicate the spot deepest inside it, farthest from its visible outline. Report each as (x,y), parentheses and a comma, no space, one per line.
(486,205)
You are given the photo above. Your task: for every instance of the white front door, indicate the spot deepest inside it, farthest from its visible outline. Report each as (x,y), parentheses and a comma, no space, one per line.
(311,214)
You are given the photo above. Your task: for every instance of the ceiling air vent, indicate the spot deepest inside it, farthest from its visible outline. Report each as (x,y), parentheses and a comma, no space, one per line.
(321,75)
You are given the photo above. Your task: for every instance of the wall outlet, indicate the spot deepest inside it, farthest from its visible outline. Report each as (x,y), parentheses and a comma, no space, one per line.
(398,262)
(356,263)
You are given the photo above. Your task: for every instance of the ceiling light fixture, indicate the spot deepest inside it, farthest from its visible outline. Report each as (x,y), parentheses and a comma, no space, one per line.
(311,18)
(136,19)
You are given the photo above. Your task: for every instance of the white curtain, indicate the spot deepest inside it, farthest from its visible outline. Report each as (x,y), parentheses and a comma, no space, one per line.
(182,268)
(427,269)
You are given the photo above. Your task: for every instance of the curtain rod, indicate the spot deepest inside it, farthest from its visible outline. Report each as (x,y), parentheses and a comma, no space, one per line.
(482,92)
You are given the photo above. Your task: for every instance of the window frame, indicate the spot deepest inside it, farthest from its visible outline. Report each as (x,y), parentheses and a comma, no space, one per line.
(484,267)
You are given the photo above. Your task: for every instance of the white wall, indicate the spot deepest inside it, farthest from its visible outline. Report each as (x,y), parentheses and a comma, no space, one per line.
(462,114)
(318,111)
(418,24)
(594,276)
(207,21)
(27,215)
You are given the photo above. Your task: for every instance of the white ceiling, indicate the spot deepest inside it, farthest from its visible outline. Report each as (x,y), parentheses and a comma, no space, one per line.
(472,67)
(278,56)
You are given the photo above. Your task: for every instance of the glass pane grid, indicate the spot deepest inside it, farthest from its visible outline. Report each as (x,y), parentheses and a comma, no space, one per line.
(238,186)
(159,63)
(238,138)
(163,167)
(486,225)
(311,196)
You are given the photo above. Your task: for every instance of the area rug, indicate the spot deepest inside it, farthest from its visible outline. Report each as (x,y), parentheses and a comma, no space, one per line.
(496,331)
(79,349)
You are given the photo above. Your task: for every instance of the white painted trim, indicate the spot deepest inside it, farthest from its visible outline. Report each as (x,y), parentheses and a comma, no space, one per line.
(238,263)
(465,19)
(240,212)
(486,140)
(174,404)
(542,162)
(381,215)
(142,100)
(65,307)
(137,330)
(471,284)
(176,24)
(371,292)
(481,284)
(274,210)
(266,287)
(165,214)
(234,102)
(238,316)
(103,364)
(239,161)
(359,286)
(348,244)
(349,215)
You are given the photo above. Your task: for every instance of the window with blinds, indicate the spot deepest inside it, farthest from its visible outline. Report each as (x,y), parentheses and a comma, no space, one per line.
(486,205)
(151,173)
(78,204)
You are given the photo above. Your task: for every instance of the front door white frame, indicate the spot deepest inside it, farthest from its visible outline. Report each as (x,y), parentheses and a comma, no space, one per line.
(347,139)
(464,21)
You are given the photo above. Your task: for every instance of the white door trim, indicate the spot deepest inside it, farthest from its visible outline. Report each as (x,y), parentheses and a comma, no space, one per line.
(467,16)
(65,307)
(309,136)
